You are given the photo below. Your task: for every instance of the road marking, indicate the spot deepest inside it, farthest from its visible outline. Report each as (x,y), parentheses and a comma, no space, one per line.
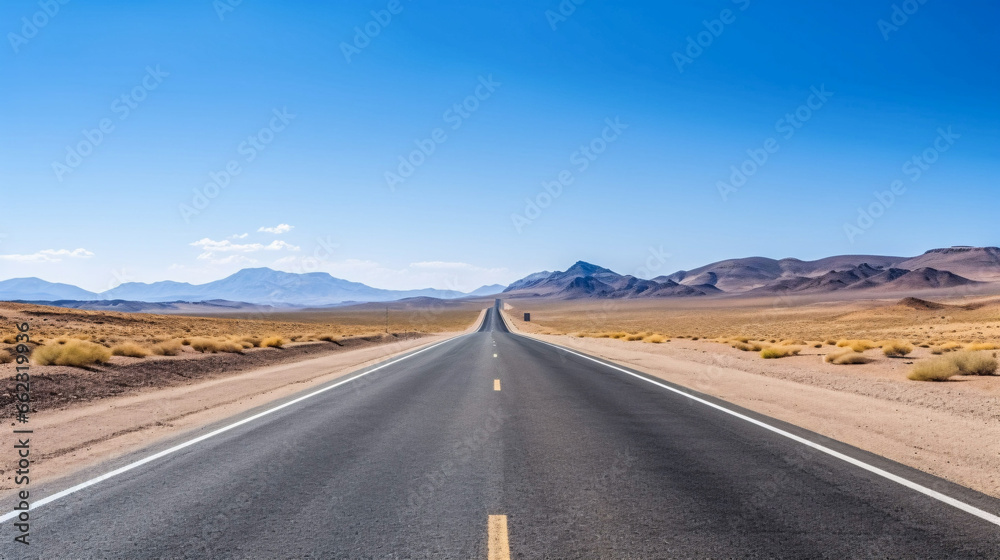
(189,443)
(499,548)
(985,515)
(496,384)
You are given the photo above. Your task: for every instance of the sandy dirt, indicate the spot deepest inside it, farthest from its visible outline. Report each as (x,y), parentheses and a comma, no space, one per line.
(78,435)
(61,386)
(950,429)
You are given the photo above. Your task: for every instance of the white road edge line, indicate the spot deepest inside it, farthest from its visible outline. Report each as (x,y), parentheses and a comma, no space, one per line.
(985,515)
(189,443)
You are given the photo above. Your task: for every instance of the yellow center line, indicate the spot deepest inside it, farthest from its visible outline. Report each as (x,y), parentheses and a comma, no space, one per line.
(496,384)
(499,548)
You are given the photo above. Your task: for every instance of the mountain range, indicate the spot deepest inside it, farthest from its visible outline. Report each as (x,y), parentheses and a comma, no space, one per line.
(972,268)
(261,286)
(954,267)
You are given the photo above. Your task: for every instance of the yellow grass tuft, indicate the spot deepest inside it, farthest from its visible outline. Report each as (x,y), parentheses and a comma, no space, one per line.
(655,339)
(752,347)
(960,363)
(129,349)
(272,342)
(6,357)
(974,363)
(72,352)
(939,369)
(167,348)
(976,347)
(845,357)
(857,345)
(634,337)
(775,352)
(896,348)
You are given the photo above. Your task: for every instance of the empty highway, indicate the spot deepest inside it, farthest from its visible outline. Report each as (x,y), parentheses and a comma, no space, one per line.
(494,445)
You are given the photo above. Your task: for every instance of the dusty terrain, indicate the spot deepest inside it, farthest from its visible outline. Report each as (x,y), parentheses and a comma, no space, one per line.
(950,429)
(241,344)
(964,319)
(109,327)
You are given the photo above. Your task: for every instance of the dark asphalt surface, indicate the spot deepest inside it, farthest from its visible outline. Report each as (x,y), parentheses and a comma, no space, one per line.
(586,462)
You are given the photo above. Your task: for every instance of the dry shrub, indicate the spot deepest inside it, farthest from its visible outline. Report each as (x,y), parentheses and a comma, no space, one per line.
(831,342)
(974,363)
(979,346)
(73,352)
(951,346)
(168,348)
(775,352)
(793,342)
(857,345)
(845,357)
(655,339)
(6,357)
(272,342)
(253,341)
(939,369)
(334,338)
(129,349)
(747,347)
(634,337)
(896,348)
(213,346)
(618,334)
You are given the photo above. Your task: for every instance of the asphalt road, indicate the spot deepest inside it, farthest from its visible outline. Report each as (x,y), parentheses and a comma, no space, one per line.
(577,460)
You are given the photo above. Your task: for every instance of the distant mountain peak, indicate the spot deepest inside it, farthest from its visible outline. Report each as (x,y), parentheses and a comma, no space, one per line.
(583,267)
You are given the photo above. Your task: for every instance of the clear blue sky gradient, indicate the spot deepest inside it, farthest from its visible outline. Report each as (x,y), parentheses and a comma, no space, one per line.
(654,188)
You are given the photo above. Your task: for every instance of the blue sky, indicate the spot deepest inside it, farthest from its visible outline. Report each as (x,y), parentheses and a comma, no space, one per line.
(313,117)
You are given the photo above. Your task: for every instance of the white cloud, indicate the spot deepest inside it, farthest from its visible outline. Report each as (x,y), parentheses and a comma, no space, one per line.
(49,255)
(239,236)
(211,248)
(278,229)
